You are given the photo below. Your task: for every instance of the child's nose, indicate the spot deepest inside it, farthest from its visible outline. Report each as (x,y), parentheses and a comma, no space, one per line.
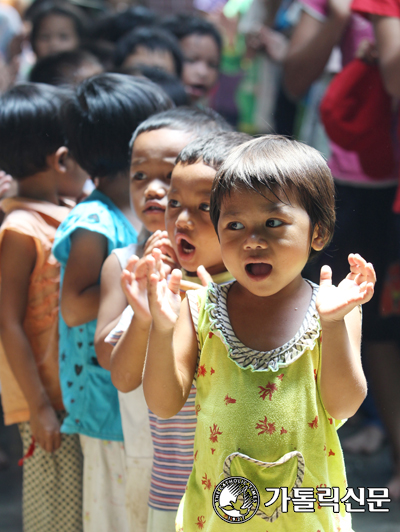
(155,190)
(202,69)
(184,220)
(255,241)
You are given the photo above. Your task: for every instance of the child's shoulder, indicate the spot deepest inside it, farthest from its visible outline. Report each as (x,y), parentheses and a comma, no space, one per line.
(38,219)
(93,214)
(206,300)
(95,209)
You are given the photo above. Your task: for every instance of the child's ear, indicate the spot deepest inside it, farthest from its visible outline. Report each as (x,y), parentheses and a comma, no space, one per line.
(60,159)
(318,239)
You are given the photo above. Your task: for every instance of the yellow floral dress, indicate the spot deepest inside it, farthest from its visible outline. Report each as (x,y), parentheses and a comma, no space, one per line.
(260,416)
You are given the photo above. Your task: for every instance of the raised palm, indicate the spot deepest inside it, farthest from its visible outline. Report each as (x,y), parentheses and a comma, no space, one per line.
(334,302)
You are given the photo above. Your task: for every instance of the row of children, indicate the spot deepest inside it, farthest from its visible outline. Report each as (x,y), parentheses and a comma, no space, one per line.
(70,46)
(269,209)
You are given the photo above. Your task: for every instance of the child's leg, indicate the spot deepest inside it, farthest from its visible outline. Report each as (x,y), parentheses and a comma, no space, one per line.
(161,521)
(52,486)
(103,486)
(138,476)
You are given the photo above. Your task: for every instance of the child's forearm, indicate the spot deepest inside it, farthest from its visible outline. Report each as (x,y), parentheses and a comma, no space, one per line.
(128,356)
(22,363)
(343,384)
(163,384)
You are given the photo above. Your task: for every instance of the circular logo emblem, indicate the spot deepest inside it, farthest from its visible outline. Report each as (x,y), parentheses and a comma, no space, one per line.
(236,500)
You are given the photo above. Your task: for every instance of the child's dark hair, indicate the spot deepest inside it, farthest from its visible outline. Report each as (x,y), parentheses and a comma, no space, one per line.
(58,69)
(190,119)
(152,38)
(30,128)
(168,82)
(184,25)
(58,8)
(100,119)
(112,27)
(280,165)
(213,149)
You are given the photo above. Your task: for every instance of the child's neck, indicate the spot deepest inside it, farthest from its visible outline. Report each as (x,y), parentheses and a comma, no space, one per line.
(266,323)
(117,189)
(41,186)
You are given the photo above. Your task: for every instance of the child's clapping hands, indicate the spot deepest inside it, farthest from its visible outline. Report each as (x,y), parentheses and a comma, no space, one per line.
(334,302)
(159,239)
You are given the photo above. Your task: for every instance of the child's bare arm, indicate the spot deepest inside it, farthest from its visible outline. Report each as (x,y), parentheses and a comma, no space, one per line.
(172,351)
(343,384)
(80,295)
(112,304)
(127,359)
(17,260)
(387,33)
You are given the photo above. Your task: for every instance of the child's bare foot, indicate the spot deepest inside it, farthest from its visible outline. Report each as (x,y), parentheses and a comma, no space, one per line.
(394,487)
(366,441)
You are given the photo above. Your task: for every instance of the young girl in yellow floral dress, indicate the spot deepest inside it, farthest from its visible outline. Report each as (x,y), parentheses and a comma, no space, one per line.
(276,358)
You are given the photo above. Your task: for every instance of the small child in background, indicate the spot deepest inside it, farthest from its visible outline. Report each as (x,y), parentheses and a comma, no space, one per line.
(40,164)
(99,121)
(201,45)
(151,46)
(255,346)
(173,439)
(56,27)
(66,68)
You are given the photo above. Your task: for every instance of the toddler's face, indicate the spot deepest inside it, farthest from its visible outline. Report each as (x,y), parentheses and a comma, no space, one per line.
(201,65)
(57,33)
(153,58)
(187,219)
(265,240)
(153,159)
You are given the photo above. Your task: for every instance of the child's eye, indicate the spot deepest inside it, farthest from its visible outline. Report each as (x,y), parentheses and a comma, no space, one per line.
(235,226)
(273,223)
(205,207)
(169,175)
(174,204)
(139,176)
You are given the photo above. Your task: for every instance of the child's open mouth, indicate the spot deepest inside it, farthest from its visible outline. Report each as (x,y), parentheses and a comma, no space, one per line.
(154,208)
(197,90)
(258,270)
(186,247)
